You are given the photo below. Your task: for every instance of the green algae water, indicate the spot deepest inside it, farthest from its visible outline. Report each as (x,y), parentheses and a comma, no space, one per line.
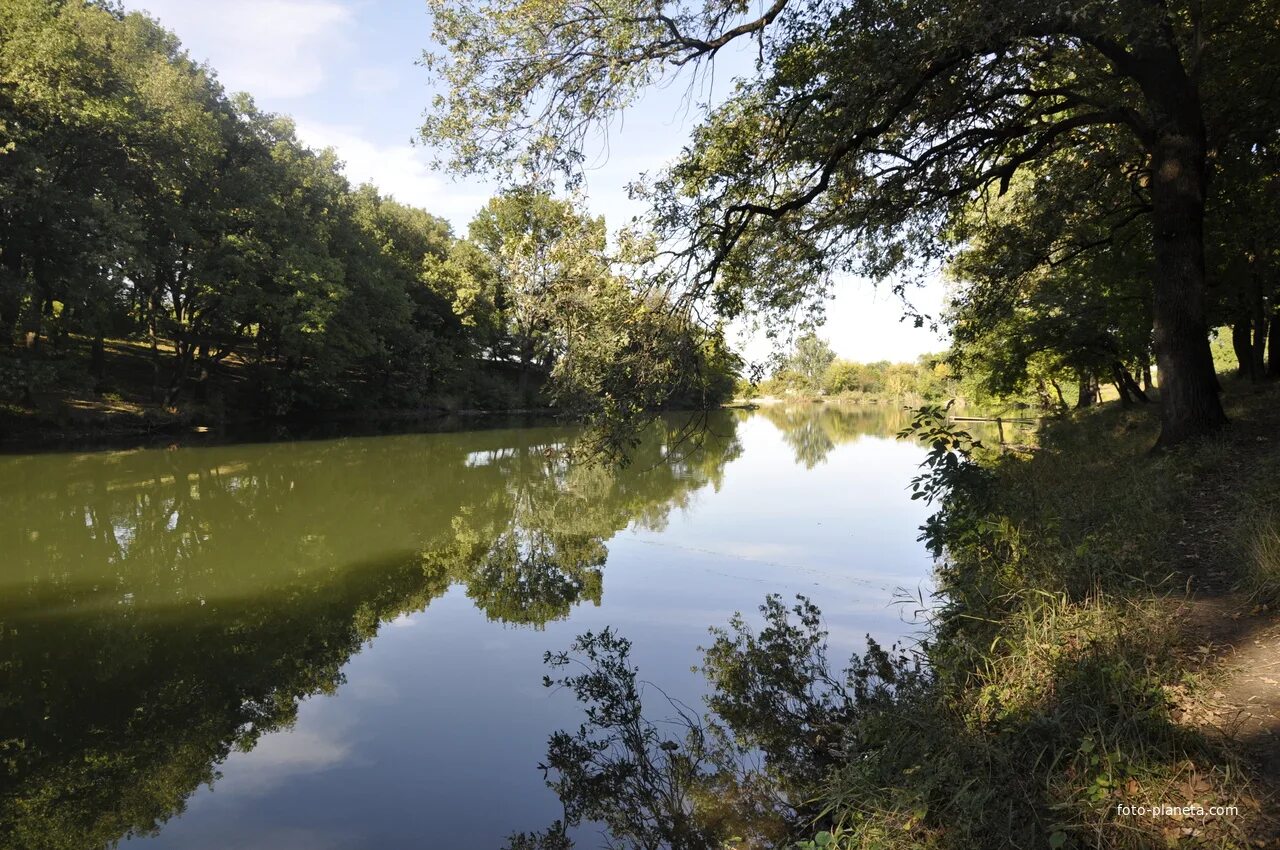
(338,643)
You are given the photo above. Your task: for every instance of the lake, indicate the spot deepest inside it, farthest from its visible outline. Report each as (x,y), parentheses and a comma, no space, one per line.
(338,643)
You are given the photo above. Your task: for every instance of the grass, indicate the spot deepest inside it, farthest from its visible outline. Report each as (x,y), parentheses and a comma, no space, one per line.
(1068,680)
(1262,537)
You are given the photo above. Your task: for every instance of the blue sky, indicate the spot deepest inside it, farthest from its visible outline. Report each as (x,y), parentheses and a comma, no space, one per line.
(346,71)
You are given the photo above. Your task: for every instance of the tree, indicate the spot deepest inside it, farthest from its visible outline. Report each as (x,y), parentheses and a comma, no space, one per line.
(810,359)
(869,125)
(141,202)
(541,250)
(1052,283)
(1244,254)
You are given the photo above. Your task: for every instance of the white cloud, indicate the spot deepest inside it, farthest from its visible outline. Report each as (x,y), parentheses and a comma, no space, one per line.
(401,171)
(273,49)
(282,756)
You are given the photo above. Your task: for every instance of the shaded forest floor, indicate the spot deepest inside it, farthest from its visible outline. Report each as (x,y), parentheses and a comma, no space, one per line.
(48,399)
(48,395)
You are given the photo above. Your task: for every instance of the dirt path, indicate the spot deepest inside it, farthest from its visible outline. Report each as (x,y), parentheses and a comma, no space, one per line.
(1244,650)
(1237,640)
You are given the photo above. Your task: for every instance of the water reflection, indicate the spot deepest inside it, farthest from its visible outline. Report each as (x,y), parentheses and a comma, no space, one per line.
(814,430)
(162,609)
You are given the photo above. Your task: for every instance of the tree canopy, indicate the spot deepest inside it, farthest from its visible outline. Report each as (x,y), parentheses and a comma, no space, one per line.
(869,129)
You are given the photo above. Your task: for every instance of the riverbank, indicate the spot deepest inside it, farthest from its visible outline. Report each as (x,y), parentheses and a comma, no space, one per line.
(114,425)
(849,398)
(1107,644)
(52,403)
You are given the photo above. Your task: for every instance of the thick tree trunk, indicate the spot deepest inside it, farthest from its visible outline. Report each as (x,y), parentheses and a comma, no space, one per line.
(1189,403)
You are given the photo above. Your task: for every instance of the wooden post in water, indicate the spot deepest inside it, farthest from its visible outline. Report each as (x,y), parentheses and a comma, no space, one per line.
(1000,426)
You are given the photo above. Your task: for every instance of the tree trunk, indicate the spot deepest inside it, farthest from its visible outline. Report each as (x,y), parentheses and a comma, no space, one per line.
(153,334)
(201,390)
(526,363)
(1123,391)
(184,352)
(1260,327)
(1129,385)
(1189,403)
(1242,345)
(1258,313)
(33,320)
(1087,395)
(10,294)
(35,308)
(98,362)
(1062,402)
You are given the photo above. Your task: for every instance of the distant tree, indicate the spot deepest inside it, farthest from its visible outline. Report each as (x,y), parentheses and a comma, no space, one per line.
(810,359)
(844,376)
(138,200)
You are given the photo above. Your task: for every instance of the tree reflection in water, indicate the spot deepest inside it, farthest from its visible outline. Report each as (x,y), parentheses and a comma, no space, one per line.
(742,774)
(161,609)
(814,430)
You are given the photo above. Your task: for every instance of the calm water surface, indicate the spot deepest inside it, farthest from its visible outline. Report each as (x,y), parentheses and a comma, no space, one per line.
(338,643)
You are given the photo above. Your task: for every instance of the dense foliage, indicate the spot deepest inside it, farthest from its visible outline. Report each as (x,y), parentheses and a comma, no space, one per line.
(163,240)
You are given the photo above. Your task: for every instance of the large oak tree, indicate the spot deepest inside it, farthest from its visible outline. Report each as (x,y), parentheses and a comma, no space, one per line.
(869,124)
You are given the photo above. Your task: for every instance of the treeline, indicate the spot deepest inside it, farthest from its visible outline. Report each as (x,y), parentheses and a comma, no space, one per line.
(812,369)
(165,241)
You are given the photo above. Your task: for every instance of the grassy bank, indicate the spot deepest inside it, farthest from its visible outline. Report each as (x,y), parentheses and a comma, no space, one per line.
(1082,658)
